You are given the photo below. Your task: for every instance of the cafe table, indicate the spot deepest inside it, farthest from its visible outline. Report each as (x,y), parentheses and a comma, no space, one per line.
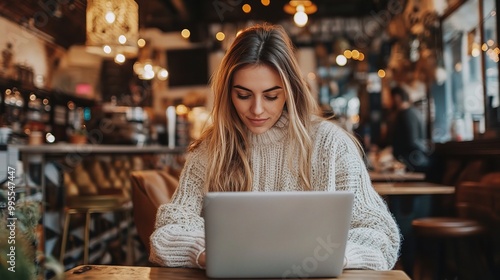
(109,272)
(412,188)
(408,201)
(396,176)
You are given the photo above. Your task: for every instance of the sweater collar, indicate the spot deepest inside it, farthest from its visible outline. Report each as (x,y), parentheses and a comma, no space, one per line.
(274,134)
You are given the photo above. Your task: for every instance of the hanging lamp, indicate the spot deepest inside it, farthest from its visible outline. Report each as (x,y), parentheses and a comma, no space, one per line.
(300,9)
(112,28)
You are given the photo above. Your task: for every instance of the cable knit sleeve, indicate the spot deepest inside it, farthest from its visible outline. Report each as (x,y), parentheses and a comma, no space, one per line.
(179,235)
(374,238)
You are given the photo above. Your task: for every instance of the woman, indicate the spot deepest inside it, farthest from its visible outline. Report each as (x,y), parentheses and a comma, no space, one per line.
(267,136)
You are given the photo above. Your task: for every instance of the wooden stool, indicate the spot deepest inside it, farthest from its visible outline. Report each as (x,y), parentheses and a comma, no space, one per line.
(441,230)
(447,227)
(89,205)
(474,203)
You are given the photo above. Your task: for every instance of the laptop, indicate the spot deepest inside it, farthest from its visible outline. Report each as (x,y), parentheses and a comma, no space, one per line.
(276,234)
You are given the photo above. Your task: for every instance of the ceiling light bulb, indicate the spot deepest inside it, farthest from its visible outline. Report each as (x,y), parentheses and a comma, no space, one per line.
(220,36)
(300,8)
(355,54)
(163,74)
(300,19)
(107,49)
(348,54)
(122,39)
(246,8)
(138,68)
(110,17)
(341,60)
(119,58)
(141,43)
(148,75)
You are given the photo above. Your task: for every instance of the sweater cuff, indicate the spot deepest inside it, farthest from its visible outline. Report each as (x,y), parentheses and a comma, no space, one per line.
(176,249)
(360,257)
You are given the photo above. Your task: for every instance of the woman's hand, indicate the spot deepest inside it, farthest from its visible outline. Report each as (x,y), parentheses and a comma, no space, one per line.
(201,260)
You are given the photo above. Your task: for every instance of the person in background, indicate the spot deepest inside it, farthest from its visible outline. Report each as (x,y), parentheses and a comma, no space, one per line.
(408,136)
(267,135)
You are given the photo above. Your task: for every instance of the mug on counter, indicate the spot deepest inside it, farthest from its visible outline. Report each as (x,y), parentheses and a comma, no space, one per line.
(36,138)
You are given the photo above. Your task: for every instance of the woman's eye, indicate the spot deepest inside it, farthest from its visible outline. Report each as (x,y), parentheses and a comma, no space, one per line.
(271,98)
(242,96)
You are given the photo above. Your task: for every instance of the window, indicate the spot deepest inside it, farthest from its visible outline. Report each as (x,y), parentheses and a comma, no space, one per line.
(470,53)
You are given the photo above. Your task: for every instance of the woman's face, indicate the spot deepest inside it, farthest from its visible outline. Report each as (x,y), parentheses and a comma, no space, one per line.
(258,96)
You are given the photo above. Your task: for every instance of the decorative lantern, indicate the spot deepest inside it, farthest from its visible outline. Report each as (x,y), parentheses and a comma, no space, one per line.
(112,28)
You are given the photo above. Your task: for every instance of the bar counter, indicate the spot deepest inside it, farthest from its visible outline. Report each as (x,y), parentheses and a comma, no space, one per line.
(66,148)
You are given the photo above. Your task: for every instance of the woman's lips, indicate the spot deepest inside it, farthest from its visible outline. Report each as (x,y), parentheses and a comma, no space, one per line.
(257,121)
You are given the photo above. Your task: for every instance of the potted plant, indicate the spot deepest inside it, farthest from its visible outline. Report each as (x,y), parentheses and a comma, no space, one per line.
(20,257)
(79,136)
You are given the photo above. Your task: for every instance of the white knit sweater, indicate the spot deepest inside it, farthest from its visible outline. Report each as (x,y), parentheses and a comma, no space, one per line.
(374,237)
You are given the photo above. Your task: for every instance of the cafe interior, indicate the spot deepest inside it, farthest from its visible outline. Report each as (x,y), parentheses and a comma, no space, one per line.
(99,100)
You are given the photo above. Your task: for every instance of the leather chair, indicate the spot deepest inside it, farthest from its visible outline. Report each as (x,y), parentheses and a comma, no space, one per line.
(150,189)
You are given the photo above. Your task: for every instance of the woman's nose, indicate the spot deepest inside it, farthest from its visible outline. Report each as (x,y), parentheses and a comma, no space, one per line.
(257,107)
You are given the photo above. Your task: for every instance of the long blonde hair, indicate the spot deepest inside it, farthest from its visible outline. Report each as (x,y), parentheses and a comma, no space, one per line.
(226,139)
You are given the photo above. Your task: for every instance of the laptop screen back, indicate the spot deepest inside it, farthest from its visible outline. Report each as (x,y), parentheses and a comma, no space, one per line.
(276,234)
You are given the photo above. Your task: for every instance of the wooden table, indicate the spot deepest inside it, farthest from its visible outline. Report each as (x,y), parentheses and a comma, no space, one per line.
(137,272)
(396,177)
(412,188)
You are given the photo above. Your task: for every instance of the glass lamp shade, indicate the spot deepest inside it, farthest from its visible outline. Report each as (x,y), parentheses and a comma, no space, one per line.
(307,7)
(112,27)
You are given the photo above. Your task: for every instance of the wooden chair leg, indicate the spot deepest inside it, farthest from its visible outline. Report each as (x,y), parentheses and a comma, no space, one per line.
(427,256)
(67,216)
(86,242)
(130,245)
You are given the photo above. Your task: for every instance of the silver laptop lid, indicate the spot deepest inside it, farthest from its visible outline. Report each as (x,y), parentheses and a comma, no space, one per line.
(276,234)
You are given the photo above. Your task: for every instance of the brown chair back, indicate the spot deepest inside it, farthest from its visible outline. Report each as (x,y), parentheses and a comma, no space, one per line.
(481,201)
(475,201)
(150,189)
